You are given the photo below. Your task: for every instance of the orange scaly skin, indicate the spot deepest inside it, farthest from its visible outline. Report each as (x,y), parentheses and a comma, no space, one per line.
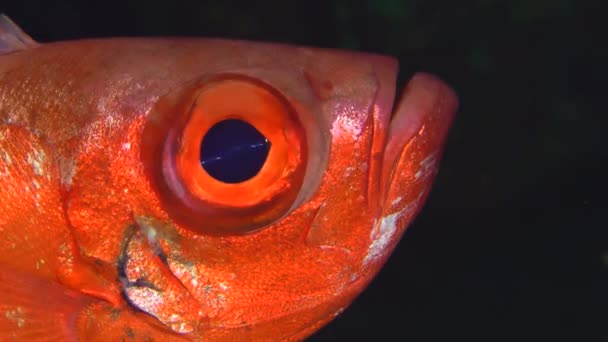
(85,216)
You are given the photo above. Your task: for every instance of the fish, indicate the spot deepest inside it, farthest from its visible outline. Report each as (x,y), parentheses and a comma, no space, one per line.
(198,189)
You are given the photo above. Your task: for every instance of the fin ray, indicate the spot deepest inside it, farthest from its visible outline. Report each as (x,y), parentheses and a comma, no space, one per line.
(34,308)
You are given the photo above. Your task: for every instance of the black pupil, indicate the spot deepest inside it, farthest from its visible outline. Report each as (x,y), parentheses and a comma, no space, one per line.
(233,151)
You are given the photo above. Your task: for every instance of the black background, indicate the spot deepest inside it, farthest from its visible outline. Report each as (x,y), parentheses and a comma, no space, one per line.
(513,243)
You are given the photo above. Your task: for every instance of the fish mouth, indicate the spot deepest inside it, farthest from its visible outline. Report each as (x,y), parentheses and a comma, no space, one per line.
(426,106)
(411,151)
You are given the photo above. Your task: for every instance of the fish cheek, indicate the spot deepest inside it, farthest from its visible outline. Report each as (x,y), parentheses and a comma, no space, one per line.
(107,189)
(32,226)
(35,235)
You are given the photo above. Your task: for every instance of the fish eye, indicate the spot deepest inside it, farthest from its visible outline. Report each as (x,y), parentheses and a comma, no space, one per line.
(233,151)
(227,155)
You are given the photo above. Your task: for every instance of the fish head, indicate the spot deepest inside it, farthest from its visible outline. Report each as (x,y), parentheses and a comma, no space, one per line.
(276,255)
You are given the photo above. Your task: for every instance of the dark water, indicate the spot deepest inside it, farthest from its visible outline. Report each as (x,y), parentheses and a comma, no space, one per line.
(513,243)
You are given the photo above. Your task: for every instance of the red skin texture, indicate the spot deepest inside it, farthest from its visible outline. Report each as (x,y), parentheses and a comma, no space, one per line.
(76,192)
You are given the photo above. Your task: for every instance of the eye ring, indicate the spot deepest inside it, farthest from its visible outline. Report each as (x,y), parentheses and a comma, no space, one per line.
(195,198)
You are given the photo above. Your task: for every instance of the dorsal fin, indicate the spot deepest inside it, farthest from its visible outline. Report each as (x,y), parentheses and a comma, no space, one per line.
(12,37)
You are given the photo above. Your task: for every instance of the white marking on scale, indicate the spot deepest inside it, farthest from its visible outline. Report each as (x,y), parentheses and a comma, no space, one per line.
(17,316)
(427,166)
(151,235)
(338,312)
(6,157)
(67,168)
(36,159)
(348,170)
(396,201)
(5,172)
(384,232)
(345,122)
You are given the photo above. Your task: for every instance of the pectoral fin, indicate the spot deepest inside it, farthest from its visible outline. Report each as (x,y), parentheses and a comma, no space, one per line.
(37,309)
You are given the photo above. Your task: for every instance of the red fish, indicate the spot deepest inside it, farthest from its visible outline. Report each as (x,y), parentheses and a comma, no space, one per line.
(119,224)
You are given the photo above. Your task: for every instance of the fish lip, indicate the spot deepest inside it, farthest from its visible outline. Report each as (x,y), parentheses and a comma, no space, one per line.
(425,101)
